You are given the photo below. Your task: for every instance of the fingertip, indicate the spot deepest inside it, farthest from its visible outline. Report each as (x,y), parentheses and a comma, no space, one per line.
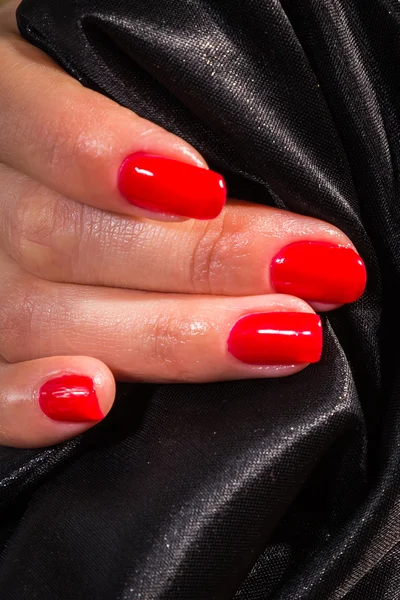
(81,391)
(105,386)
(47,401)
(276,338)
(320,272)
(164,187)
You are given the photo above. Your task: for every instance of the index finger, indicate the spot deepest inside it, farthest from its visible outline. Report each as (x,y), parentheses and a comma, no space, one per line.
(87,147)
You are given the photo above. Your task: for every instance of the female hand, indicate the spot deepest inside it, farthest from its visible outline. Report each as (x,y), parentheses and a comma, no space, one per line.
(101,276)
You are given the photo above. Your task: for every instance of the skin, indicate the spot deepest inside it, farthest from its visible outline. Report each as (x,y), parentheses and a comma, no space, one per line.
(91,285)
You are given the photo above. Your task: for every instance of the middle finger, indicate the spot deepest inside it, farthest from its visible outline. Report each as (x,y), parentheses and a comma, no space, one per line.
(248,250)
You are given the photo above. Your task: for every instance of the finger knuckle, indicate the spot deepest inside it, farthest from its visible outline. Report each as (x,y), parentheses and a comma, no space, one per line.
(221,244)
(84,143)
(55,135)
(166,347)
(31,230)
(44,232)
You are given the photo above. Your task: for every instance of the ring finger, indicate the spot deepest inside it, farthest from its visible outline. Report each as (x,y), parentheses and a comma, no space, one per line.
(157,337)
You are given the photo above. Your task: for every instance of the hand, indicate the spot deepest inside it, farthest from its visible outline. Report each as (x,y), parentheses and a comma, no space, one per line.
(132,267)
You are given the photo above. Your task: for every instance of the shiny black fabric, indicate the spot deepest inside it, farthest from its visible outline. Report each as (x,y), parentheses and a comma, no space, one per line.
(255,490)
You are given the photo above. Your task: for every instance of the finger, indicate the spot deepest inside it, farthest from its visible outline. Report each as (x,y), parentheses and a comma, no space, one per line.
(248,250)
(152,337)
(87,147)
(47,401)
(8,21)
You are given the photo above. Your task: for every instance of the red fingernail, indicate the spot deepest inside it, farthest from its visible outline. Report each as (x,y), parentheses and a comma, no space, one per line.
(277,338)
(319,272)
(171,187)
(70,398)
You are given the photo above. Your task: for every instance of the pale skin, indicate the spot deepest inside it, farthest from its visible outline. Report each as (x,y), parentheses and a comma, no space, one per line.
(89,284)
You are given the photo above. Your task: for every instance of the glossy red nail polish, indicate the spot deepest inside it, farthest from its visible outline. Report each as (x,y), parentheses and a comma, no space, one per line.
(319,272)
(70,398)
(171,187)
(277,338)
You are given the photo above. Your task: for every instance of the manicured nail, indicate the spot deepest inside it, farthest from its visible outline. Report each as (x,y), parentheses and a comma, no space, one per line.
(70,398)
(319,272)
(277,338)
(171,187)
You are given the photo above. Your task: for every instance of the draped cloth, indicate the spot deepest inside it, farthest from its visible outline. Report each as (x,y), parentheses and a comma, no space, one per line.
(280,489)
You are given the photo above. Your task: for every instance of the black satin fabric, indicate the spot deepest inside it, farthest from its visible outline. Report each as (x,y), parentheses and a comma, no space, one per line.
(254,490)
